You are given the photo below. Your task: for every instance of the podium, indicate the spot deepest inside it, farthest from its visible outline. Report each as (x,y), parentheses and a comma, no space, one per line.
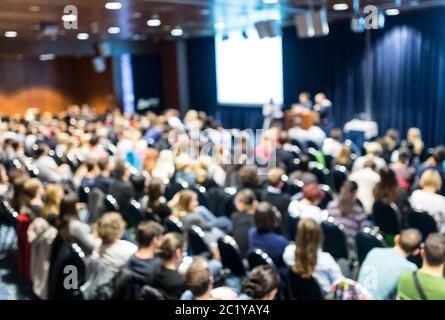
(307,117)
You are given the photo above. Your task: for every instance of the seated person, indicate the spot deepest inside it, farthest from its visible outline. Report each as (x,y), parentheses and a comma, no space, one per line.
(303,173)
(143,262)
(381,270)
(430,281)
(113,251)
(274,192)
(308,260)
(261,284)
(199,281)
(308,206)
(121,188)
(166,277)
(103,180)
(262,235)
(242,219)
(373,152)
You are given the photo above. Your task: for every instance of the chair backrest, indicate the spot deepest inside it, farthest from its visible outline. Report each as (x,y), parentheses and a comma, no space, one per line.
(386,218)
(292,222)
(328,196)
(366,240)
(220,201)
(173,224)
(422,221)
(133,215)
(339,175)
(7,213)
(334,240)
(96,204)
(110,203)
(83,194)
(196,241)
(201,192)
(150,293)
(300,288)
(319,171)
(294,186)
(258,257)
(231,256)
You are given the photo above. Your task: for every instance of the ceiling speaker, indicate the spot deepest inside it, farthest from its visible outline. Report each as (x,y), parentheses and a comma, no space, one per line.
(312,24)
(267,29)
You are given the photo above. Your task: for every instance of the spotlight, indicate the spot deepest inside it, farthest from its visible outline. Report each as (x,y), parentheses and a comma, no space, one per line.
(177,32)
(392,12)
(47,57)
(219,25)
(113,5)
(114,30)
(83,36)
(10,34)
(340,7)
(154,21)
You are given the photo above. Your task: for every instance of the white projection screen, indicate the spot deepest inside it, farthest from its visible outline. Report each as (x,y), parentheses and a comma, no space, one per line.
(248,71)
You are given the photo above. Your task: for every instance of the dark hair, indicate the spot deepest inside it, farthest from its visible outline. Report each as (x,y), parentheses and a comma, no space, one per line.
(346,201)
(248,175)
(169,244)
(197,276)
(387,189)
(435,249)
(146,231)
(42,148)
(265,218)
(262,280)
(439,154)
(138,182)
(336,134)
(410,240)
(91,164)
(246,196)
(68,211)
(155,191)
(102,163)
(404,154)
(303,165)
(119,170)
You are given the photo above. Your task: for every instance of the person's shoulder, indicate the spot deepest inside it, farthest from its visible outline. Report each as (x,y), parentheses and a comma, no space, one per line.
(127,245)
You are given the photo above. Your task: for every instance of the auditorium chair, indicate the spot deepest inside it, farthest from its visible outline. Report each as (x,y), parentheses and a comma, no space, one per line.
(220,201)
(171,188)
(8,213)
(292,221)
(334,239)
(110,204)
(201,192)
(173,224)
(339,175)
(319,171)
(423,222)
(196,243)
(293,187)
(300,288)
(133,215)
(83,194)
(328,196)
(258,257)
(366,240)
(231,256)
(388,219)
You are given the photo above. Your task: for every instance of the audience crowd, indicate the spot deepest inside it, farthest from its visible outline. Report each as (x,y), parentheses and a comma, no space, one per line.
(127,202)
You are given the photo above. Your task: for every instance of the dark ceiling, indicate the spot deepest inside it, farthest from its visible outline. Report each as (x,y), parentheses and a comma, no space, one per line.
(41,19)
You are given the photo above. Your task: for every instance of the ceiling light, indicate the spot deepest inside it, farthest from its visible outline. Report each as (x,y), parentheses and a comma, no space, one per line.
(113,5)
(270,1)
(154,21)
(177,32)
(47,57)
(83,36)
(69,17)
(340,7)
(10,34)
(392,12)
(114,30)
(219,25)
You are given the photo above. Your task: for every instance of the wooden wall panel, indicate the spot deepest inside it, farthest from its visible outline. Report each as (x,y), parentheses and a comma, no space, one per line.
(53,85)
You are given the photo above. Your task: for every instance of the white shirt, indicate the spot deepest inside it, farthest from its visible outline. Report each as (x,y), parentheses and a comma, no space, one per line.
(327,271)
(117,254)
(432,203)
(360,162)
(331,147)
(316,135)
(366,180)
(305,211)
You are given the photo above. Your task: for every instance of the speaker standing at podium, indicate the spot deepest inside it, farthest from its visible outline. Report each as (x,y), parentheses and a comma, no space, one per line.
(271,112)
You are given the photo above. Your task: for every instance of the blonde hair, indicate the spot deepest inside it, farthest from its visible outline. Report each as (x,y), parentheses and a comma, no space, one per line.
(110,227)
(308,241)
(53,198)
(414,136)
(185,198)
(431,178)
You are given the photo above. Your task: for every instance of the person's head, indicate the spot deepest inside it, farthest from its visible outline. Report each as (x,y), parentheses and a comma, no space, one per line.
(91,165)
(408,240)
(304,97)
(369,164)
(275,178)
(404,155)
(171,248)
(434,250)
(155,190)
(313,193)
(245,201)
(248,175)
(319,97)
(430,179)
(120,170)
(265,217)
(308,240)
(148,234)
(104,164)
(32,188)
(336,134)
(413,134)
(344,155)
(374,149)
(439,155)
(110,227)
(262,283)
(187,200)
(42,149)
(348,197)
(303,165)
(391,138)
(198,277)
(387,189)
(53,195)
